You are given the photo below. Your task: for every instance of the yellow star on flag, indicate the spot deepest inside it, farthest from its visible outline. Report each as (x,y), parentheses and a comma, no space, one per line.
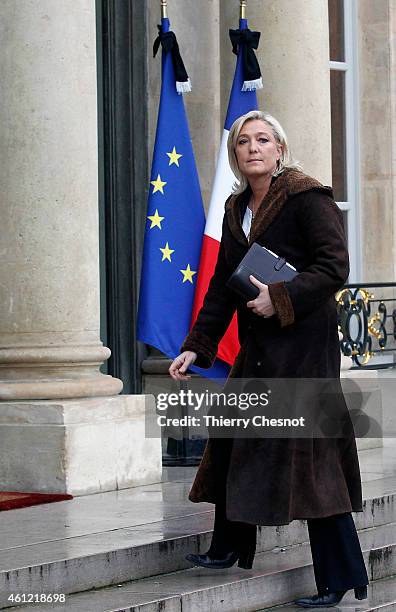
(155,219)
(188,274)
(174,157)
(167,252)
(158,185)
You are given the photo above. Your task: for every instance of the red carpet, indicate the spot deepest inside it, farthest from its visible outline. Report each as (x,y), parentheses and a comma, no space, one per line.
(12,499)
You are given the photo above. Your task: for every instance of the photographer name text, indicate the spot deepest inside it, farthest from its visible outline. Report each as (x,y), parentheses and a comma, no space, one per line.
(213,421)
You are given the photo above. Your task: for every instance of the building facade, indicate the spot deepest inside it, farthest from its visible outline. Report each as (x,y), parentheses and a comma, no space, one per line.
(77,123)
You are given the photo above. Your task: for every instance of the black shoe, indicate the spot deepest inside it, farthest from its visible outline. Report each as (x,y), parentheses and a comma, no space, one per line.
(324,600)
(245,560)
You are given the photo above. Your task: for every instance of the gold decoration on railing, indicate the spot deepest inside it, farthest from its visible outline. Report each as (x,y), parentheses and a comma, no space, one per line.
(367,296)
(366,357)
(340,294)
(370,326)
(356,304)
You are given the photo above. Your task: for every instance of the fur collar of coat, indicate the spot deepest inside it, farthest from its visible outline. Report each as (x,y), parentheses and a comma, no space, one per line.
(291,182)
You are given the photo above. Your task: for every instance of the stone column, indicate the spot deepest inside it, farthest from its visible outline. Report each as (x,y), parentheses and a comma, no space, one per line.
(294,60)
(377,130)
(392,38)
(49,274)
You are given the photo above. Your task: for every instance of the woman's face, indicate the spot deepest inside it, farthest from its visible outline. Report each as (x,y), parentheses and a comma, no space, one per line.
(257,150)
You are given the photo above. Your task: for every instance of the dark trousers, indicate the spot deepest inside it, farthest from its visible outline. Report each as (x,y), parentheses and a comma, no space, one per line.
(231,536)
(336,554)
(228,535)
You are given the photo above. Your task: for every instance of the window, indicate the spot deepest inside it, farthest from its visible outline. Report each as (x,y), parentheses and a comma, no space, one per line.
(344,121)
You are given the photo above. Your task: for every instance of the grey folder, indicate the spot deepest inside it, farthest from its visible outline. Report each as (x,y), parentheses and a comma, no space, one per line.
(263,264)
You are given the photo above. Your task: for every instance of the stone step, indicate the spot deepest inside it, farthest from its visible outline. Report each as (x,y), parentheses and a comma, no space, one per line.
(278,577)
(97,560)
(381,597)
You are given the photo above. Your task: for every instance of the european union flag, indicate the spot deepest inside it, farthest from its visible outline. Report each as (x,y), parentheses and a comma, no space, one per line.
(175,222)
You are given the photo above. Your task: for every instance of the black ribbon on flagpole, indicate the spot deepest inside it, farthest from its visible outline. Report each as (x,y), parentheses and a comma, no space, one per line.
(251,70)
(169,43)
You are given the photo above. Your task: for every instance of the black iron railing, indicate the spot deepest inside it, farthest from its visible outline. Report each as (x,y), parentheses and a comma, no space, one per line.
(367,321)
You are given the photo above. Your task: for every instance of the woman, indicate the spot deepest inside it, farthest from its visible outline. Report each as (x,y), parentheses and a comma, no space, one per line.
(289,331)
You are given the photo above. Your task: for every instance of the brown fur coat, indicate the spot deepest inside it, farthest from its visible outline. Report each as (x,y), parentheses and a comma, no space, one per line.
(271,481)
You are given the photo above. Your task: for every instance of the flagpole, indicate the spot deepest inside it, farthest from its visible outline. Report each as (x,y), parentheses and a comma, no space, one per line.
(164,9)
(242,9)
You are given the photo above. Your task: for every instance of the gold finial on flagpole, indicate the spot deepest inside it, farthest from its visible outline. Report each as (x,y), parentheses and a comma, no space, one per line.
(164,7)
(242,13)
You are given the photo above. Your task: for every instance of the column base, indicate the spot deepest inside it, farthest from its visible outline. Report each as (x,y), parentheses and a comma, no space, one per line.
(46,372)
(99,384)
(78,447)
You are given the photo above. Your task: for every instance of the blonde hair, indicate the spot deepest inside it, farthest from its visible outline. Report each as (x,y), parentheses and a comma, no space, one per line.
(286,159)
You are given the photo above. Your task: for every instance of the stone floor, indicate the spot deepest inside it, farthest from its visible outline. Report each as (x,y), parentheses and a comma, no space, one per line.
(91,524)
(89,521)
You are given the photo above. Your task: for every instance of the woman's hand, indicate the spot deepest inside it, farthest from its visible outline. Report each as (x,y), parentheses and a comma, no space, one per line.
(180,364)
(262,305)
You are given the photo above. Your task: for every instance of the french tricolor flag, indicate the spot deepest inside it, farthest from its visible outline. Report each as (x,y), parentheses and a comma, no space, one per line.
(243,99)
